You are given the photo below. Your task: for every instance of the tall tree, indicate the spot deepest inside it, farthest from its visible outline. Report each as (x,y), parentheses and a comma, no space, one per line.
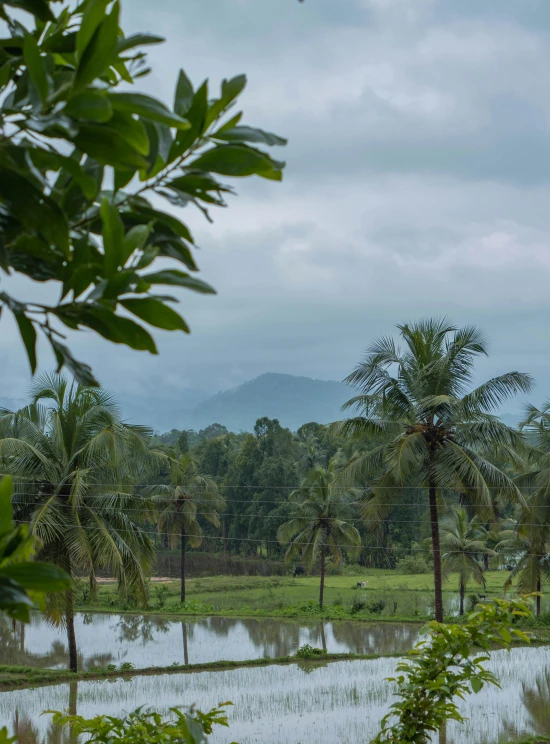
(435,427)
(321,525)
(462,541)
(74,461)
(180,504)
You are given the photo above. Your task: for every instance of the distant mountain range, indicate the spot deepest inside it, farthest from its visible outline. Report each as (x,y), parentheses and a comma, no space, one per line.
(293,400)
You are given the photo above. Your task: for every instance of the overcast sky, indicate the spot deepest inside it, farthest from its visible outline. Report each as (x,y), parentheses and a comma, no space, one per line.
(417,183)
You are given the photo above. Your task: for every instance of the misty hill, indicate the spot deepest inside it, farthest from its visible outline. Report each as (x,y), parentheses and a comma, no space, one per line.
(292,400)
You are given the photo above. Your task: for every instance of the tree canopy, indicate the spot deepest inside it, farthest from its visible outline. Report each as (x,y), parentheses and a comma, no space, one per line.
(85,160)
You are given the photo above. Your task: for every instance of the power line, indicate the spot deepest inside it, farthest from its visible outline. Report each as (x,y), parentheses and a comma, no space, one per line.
(271,516)
(276,542)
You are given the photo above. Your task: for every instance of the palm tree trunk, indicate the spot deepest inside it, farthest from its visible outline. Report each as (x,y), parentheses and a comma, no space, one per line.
(71,637)
(323,637)
(539,587)
(462,592)
(322,585)
(185,650)
(436,549)
(182,564)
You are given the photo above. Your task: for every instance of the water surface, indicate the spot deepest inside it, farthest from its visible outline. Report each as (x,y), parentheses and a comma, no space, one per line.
(148,640)
(338,703)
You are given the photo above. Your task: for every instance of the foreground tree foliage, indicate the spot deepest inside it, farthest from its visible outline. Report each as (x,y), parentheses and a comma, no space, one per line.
(445,667)
(435,427)
(74,463)
(23,581)
(82,159)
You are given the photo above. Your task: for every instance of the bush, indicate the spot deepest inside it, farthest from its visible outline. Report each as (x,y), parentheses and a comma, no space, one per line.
(358,605)
(145,726)
(377,607)
(412,565)
(309,652)
(192,607)
(162,593)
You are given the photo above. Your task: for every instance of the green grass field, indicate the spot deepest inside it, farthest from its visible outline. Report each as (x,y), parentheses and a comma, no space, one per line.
(403,596)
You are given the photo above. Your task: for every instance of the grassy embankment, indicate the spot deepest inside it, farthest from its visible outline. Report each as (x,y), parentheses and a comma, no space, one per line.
(388,596)
(13,677)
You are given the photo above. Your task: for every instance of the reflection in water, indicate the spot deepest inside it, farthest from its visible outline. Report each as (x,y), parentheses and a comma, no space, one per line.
(340,702)
(149,640)
(185,650)
(537,702)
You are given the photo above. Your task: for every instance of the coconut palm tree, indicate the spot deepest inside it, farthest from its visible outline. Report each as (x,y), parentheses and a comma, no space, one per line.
(321,525)
(74,461)
(435,427)
(462,541)
(181,503)
(528,540)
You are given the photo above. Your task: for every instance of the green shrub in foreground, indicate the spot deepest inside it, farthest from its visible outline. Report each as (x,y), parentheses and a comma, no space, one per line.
(444,668)
(146,727)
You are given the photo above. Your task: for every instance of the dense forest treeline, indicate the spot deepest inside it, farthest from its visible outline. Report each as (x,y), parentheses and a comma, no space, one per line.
(256,473)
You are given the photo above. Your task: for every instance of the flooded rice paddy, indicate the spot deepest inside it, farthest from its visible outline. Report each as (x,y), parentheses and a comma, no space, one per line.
(147,641)
(336,703)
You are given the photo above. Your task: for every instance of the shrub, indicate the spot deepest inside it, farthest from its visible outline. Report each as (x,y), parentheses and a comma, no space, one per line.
(443,668)
(377,607)
(192,607)
(309,652)
(162,593)
(358,605)
(145,727)
(412,565)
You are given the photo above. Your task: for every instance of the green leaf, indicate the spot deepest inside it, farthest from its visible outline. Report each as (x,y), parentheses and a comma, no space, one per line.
(132,130)
(82,372)
(130,42)
(238,160)
(36,69)
(91,105)
(28,334)
(37,576)
(100,52)
(6,509)
(149,108)
(109,147)
(197,117)
(14,600)
(52,161)
(506,635)
(184,94)
(38,8)
(167,220)
(476,683)
(249,134)
(230,90)
(156,313)
(36,211)
(113,237)
(175,278)
(94,13)
(117,329)
(135,240)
